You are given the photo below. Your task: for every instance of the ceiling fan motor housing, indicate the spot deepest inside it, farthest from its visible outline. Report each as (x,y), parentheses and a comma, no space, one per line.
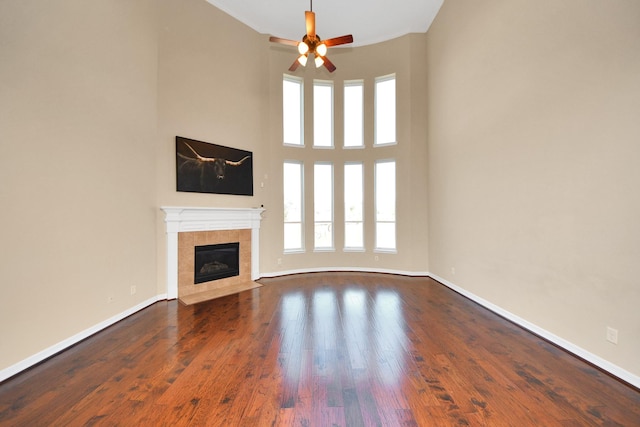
(314,45)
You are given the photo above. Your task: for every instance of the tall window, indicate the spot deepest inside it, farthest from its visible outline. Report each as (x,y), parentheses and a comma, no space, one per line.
(351,191)
(292,111)
(322,114)
(353,114)
(323,205)
(353,206)
(385,110)
(293,202)
(385,195)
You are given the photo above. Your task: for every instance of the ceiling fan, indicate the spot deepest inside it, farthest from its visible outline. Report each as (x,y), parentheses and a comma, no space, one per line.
(311,43)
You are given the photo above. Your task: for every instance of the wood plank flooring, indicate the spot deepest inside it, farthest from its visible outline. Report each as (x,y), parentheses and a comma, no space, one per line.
(323,349)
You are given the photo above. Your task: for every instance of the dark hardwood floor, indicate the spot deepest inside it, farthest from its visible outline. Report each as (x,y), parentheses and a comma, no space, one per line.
(346,349)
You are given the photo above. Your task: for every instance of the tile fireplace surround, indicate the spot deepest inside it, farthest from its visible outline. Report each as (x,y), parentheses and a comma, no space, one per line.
(190,219)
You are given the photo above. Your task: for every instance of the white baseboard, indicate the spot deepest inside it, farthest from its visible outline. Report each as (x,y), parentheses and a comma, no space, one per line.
(64,344)
(561,342)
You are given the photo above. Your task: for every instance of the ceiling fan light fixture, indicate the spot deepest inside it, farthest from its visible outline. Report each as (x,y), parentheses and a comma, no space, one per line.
(321,49)
(303,48)
(312,44)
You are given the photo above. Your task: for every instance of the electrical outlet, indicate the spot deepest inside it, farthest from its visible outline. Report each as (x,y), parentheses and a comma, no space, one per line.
(376,258)
(453,271)
(133,289)
(612,335)
(279,261)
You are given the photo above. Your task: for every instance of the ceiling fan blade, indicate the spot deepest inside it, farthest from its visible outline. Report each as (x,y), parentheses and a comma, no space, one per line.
(283,41)
(338,40)
(310,21)
(328,64)
(294,66)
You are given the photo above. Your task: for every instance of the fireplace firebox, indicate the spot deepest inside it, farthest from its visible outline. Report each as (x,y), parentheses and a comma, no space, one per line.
(213,262)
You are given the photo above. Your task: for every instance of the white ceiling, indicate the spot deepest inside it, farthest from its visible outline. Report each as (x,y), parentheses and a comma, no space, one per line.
(369,21)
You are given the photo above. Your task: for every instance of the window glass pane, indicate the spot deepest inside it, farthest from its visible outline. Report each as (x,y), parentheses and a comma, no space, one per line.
(353,235)
(385,194)
(323,114)
(292,236)
(353,114)
(292,110)
(292,192)
(293,202)
(323,204)
(385,110)
(385,191)
(353,192)
(386,235)
(323,235)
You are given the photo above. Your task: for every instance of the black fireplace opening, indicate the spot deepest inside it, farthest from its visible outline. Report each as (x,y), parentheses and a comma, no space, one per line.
(213,262)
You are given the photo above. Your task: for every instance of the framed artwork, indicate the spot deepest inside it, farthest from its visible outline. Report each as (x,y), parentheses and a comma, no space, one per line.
(202,167)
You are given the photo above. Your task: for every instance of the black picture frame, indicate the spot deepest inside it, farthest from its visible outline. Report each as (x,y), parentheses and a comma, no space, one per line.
(202,167)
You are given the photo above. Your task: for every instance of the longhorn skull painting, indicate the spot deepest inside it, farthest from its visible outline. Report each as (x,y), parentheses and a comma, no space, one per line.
(209,168)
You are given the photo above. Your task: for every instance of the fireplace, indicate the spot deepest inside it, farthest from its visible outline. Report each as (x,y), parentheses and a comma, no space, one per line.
(188,227)
(213,262)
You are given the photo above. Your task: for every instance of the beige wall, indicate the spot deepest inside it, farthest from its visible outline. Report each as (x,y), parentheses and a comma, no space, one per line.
(534,147)
(77,199)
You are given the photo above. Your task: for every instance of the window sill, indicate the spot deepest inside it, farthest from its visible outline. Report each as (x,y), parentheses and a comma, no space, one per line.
(362,250)
(324,249)
(385,251)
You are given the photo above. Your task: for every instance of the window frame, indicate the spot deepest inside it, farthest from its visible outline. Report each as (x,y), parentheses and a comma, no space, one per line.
(300,82)
(378,248)
(382,79)
(301,248)
(331,222)
(362,207)
(324,84)
(353,83)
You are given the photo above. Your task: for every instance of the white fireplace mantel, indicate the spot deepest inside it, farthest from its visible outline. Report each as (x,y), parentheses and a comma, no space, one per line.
(183,219)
